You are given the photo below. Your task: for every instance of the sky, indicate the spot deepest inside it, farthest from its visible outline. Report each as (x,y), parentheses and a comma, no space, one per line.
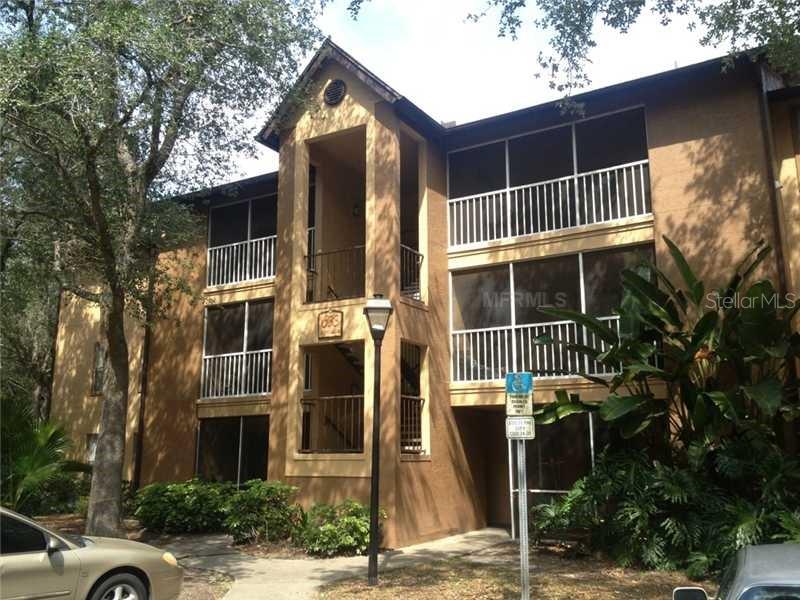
(461,71)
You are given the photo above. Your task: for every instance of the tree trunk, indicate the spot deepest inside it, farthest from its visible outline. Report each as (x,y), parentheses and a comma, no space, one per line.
(105,497)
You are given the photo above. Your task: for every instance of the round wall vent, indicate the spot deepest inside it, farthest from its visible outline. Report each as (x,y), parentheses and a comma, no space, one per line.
(334,92)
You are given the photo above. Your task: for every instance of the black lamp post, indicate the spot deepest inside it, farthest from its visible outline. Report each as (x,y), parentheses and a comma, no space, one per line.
(378,310)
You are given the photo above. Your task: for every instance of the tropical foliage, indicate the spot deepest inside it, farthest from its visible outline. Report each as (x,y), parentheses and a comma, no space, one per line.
(712,376)
(34,454)
(263,511)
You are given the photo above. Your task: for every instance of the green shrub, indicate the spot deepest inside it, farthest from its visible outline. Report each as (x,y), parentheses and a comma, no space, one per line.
(58,495)
(262,511)
(337,530)
(189,507)
(640,511)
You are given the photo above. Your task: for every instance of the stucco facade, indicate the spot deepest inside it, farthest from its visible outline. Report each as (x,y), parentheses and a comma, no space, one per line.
(360,165)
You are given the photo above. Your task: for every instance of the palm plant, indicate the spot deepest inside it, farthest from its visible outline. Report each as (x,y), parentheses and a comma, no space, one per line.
(713,365)
(33,452)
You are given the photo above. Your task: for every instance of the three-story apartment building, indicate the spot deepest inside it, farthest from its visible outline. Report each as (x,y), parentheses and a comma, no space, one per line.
(469,230)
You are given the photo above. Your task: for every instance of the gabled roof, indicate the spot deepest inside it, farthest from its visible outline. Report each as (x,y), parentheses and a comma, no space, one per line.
(328,51)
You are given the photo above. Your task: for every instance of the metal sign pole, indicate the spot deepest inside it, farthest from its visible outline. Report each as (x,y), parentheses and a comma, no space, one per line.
(522,493)
(511,488)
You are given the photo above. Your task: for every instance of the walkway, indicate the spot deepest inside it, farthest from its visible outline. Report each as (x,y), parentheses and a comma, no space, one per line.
(296,578)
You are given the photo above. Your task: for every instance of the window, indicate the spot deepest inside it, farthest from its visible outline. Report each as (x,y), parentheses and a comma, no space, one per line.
(478,170)
(541,156)
(602,273)
(263,217)
(228,224)
(17,537)
(615,139)
(308,383)
(413,416)
(91,447)
(550,282)
(772,592)
(233,448)
(99,368)
(481,298)
(225,327)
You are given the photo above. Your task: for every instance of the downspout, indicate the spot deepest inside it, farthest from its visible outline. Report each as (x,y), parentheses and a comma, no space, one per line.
(774,184)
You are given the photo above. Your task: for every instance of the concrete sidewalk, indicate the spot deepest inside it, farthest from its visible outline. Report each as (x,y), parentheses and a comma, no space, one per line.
(294,578)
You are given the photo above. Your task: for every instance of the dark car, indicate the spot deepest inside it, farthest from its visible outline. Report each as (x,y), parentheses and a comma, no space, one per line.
(767,572)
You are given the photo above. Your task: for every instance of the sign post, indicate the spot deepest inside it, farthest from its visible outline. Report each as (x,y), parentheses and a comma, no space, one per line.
(520,427)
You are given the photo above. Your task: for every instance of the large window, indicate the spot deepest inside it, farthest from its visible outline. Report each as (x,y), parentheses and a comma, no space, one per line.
(481,298)
(237,354)
(498,318)
(478,170)
(233,448)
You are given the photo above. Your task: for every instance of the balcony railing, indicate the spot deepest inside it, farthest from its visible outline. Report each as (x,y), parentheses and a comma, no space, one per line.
(335,275)
(411,424)
(488,354)
(583,199)
(237,374)
(333,425)
(242,261)
(410,268)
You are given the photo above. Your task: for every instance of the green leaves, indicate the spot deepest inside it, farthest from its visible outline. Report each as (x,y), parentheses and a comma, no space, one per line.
(617,406)
(767,394)
(695,287)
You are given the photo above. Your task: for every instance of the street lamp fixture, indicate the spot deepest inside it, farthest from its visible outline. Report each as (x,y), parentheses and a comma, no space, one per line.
(378,310)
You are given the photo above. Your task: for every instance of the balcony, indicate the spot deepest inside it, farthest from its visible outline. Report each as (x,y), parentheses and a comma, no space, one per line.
(333,425)
(250,260)
(411,425)
(335,275)
(488,354)
(596,197)
(410,267)
(237,374)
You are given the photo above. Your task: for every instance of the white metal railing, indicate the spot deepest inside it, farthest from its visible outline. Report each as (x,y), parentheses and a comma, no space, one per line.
(488,354)
(237,374)
(411,424)
(582,199)
(242,261)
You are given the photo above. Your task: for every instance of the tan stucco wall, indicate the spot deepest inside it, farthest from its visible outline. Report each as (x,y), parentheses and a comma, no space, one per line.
(73,404)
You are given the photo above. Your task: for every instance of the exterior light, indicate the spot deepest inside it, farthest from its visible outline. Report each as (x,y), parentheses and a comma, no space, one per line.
(378,310)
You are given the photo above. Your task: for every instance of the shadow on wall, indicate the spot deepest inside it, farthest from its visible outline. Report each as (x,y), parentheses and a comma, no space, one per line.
(176,348)
(713,200)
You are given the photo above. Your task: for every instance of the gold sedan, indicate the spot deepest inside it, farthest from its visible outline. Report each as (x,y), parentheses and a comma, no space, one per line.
(37,563)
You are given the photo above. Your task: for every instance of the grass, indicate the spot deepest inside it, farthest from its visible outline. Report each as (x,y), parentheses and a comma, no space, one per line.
(552,576)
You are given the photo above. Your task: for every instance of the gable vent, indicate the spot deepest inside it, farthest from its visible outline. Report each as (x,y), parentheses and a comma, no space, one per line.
(334,92)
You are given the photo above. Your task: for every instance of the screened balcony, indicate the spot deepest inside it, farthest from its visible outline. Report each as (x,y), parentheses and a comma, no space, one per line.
(237,350)
(498,322)
(591,171)
(241,241)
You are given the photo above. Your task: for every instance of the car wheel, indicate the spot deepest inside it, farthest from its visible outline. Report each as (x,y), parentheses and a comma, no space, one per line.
(123,586)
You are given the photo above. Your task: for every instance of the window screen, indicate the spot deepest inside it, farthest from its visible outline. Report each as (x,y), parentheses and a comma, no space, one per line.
(477,170)
(224,329)
(218,454)
(550,282)
(613,140)
(602,272)
(228,224)
(541,156)
(264,217)
(16,536)
(481,298)
(259,325)
(255,445)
